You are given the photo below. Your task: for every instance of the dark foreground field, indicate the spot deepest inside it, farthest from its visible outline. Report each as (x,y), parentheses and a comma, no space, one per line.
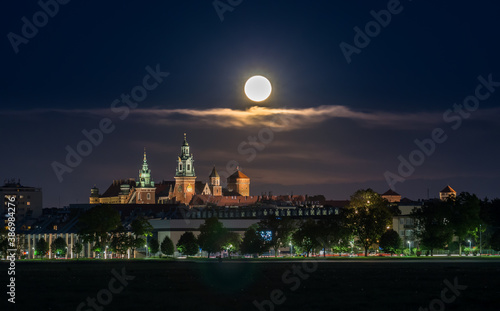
(181,285)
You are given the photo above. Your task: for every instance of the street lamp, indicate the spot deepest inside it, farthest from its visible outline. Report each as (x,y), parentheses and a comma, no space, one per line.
(146,246)
(409,250)
(291,249)
(480,241)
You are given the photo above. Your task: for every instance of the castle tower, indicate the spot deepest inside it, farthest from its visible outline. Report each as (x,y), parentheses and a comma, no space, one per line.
(124,194)
(447,193)
(214,185)
(145,187)
(94,195)
(239,183)
(185,176)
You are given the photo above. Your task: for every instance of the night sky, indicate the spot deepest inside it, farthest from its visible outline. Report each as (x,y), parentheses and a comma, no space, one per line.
(330,126)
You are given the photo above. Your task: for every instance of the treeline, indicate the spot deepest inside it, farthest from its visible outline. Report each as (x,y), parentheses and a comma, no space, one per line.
(366,224)
(466,219)
(368,217)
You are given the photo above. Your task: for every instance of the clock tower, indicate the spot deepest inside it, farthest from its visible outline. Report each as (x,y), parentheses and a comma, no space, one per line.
(185,176)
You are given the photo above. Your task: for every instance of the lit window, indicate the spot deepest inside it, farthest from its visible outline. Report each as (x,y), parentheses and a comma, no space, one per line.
(28,203)
(55,227)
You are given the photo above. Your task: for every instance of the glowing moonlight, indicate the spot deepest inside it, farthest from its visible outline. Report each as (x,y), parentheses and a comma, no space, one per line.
(258,88)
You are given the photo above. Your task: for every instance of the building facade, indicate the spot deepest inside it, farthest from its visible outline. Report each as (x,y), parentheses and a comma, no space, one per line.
(28,200)
(128,191)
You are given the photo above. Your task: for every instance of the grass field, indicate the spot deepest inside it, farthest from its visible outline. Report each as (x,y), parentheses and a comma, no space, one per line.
(236,285)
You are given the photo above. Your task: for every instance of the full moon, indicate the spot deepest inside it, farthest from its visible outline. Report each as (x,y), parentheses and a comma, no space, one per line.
(258,88)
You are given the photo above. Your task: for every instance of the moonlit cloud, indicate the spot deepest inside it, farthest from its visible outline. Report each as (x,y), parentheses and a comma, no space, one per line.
(281,118)
(278,118)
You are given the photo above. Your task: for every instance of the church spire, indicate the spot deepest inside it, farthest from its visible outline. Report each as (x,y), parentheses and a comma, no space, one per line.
(145,174)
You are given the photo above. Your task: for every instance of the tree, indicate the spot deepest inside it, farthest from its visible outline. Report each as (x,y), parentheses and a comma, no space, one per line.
(464,216)
(490,221)
(77,248)
(136,242)
(154,246)
(368,216)
(167,246)
(306,236)
(212,236)
(490,212)
(121,242)
(187,244)
(141,226)
(4,246)
(253,242)
(4,241)
(59,247)
(432,224)
(282,230)
(495,240)
(42,247)
(97,223)
(232,241)
(390,241)
(334,233)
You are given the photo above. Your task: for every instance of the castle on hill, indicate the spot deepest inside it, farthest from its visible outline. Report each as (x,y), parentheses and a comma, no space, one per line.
(184,190)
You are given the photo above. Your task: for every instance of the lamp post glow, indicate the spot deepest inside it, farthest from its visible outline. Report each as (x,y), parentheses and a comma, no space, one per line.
(469,245)
(409,250)
(146,246)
